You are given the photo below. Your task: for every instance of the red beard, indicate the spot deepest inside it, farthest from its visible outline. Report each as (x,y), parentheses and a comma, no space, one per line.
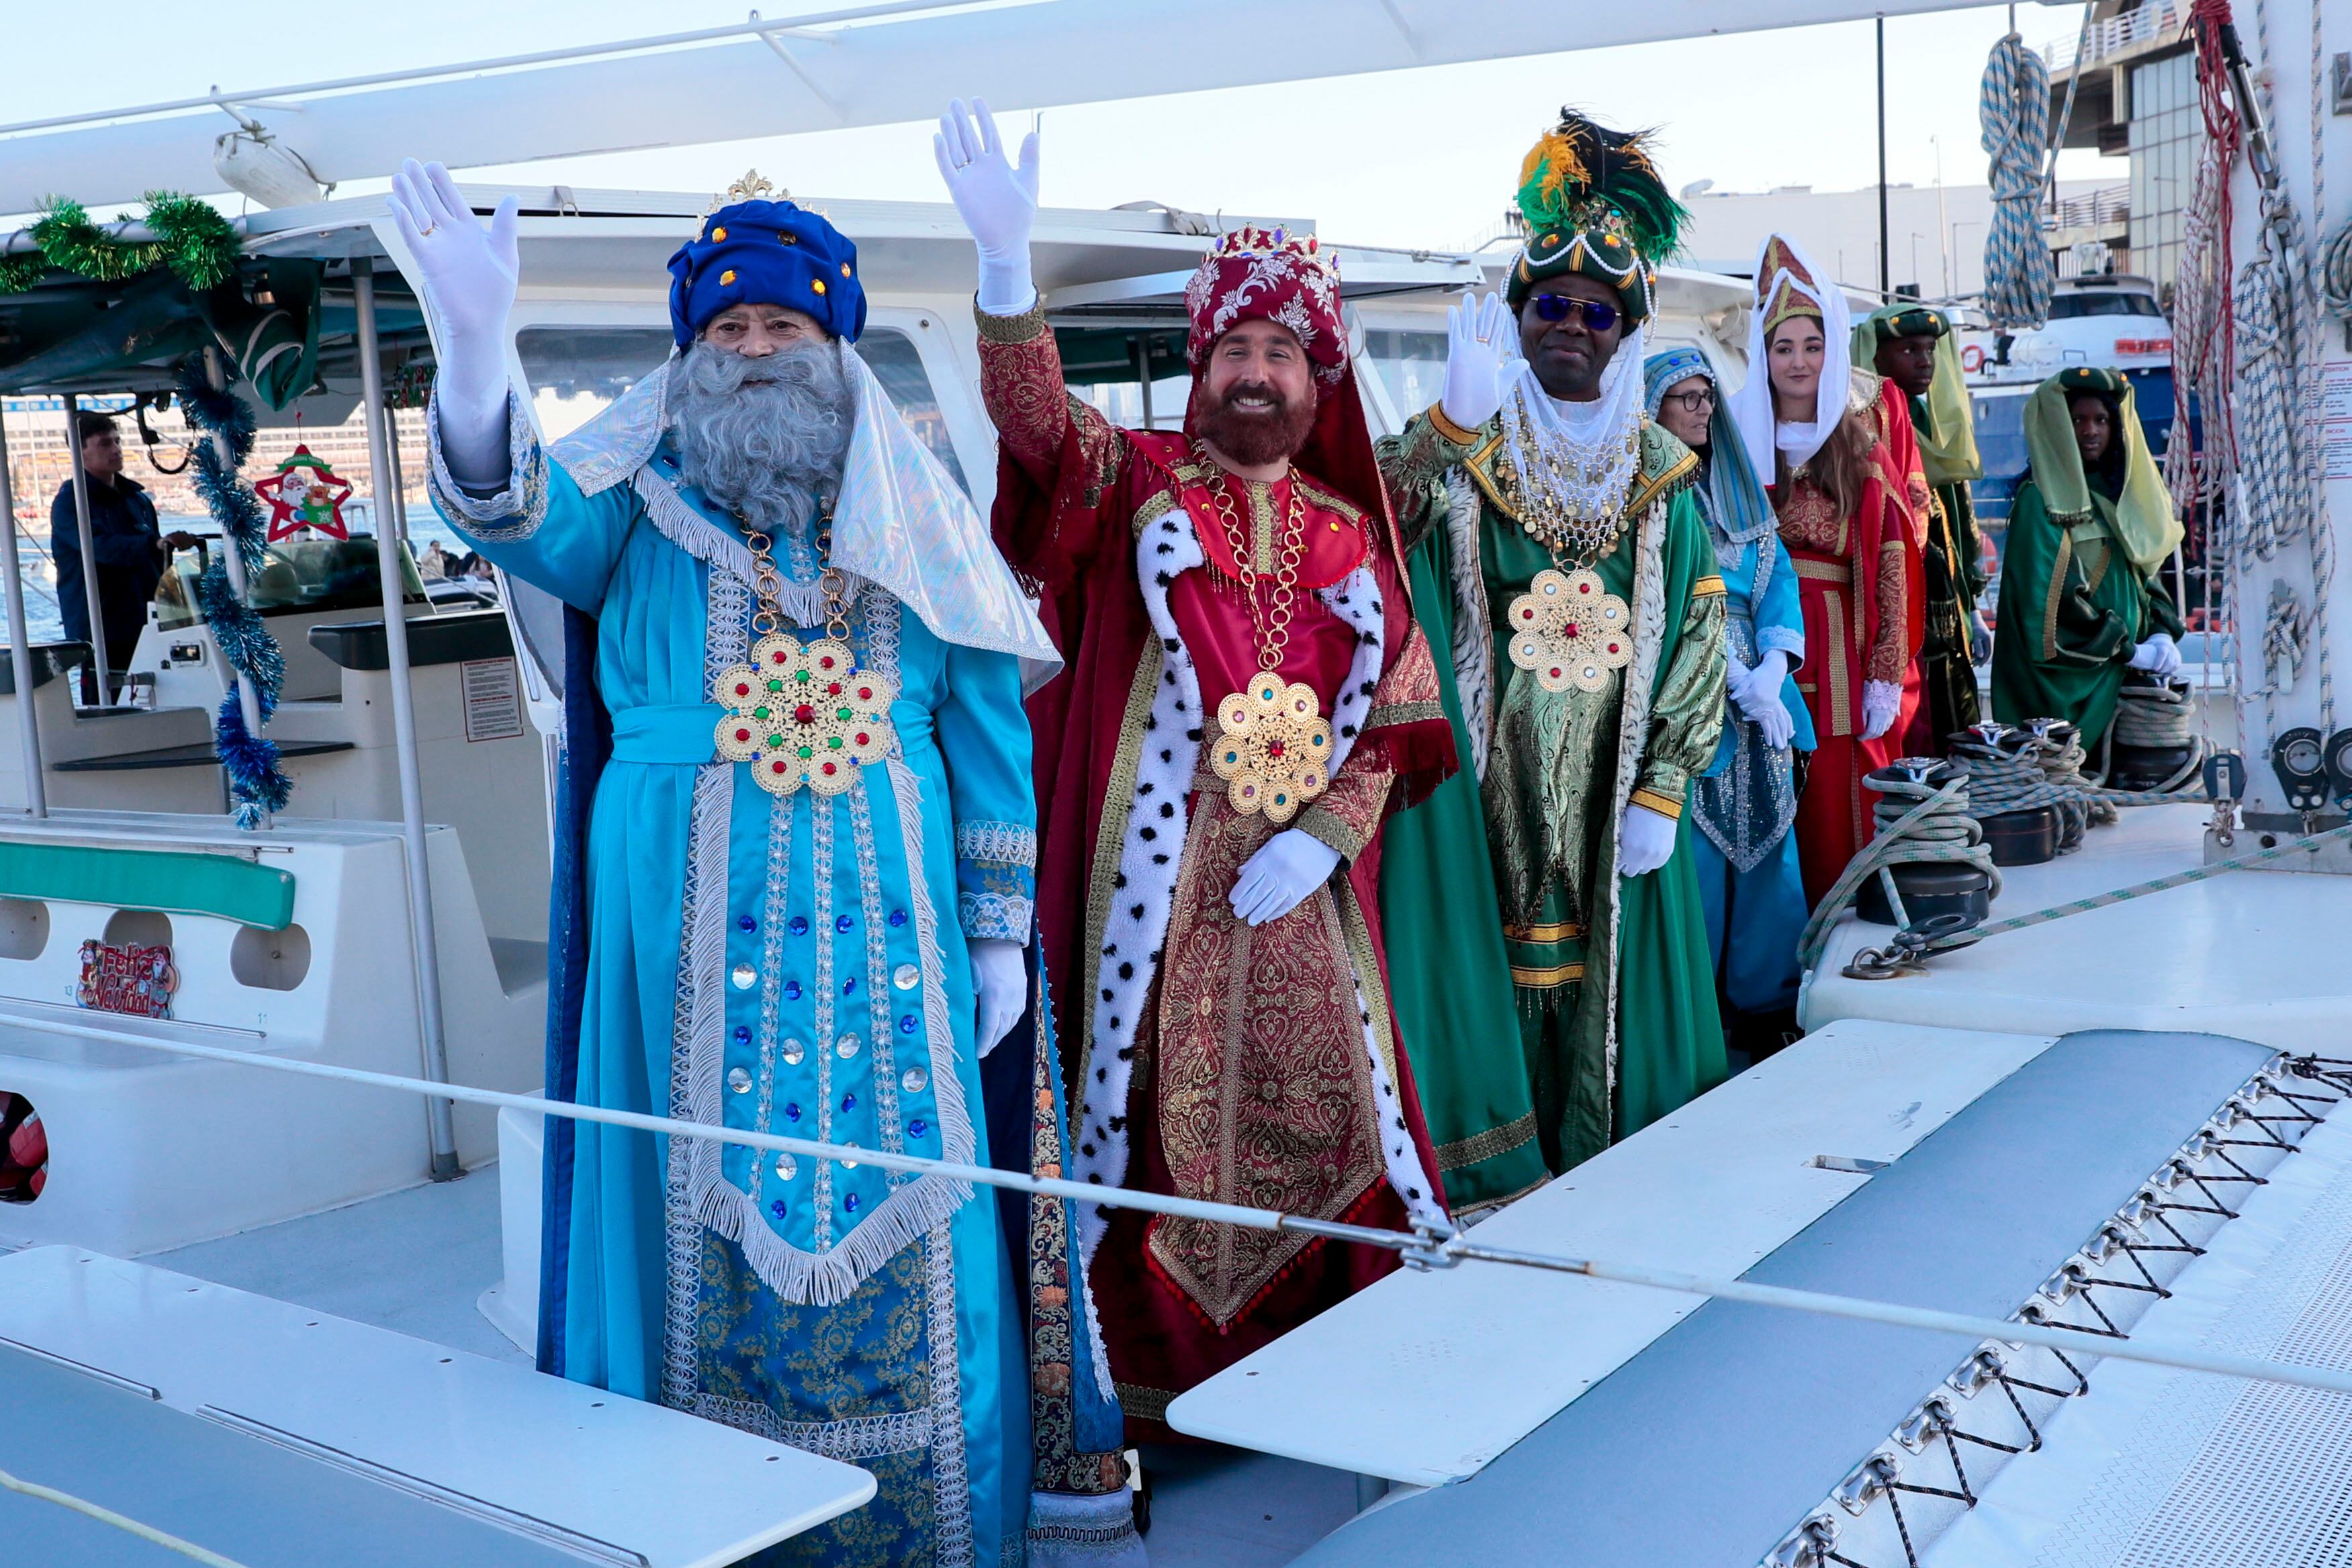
(1255,437)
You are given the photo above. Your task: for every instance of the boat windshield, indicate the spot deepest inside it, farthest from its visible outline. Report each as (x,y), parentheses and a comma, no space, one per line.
(577,372)
(1411,364)
(297,576)
(2063,306)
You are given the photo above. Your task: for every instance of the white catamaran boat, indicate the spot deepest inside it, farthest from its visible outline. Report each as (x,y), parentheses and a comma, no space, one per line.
(2037,1248)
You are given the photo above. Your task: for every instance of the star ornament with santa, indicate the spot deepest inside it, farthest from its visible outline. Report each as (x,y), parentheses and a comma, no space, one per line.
(304,494)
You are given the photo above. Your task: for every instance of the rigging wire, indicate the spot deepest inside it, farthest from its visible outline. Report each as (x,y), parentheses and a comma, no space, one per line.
(1426,1245)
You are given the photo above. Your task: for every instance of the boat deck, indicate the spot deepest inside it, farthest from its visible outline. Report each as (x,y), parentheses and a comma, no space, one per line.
(417,1261)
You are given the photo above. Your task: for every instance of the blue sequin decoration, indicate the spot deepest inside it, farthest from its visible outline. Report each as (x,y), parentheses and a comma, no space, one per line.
(849,1101)
(918,1127)
(842,922)
(907,1024)
(850,1203)
(898,917)
(745,923)
(798,925)
(791,1112)
(777,1209)
(792,990)
(743,1034)
(848,984)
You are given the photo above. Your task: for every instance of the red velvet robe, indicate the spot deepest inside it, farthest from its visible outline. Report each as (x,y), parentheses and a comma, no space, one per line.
(1247,1077)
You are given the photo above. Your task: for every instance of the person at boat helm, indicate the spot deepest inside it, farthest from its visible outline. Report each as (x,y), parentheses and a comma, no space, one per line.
(2087,531)
(1912,347)
(798,887)
(1248,701)
(1566,999)
(130,547)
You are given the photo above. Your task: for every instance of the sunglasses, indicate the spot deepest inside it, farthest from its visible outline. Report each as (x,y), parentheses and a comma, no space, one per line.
(1599,314)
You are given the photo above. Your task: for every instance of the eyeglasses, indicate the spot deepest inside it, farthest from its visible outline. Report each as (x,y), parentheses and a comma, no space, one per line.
(1699,401)
(1599,314)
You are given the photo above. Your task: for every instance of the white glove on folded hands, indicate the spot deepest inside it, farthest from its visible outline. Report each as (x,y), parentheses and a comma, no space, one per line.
(996,200)
(1285,869)
(2160,655)
(1645,839)
(1000,983)
(1880,699)
(1480,340)
(1756,693)
(467,274)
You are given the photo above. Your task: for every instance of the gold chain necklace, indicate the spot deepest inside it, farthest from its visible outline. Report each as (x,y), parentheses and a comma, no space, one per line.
(1546,476)
(1274,749)
(1568,629)
(803,713)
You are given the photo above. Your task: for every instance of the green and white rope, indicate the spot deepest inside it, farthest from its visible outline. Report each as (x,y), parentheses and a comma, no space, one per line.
(1916,825)
(2014,113)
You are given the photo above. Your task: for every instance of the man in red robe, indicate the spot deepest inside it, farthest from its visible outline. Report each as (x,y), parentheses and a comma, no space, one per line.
(1245,700)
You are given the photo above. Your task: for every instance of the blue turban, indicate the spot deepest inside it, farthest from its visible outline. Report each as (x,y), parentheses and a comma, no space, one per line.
(766,253)
(1735,503)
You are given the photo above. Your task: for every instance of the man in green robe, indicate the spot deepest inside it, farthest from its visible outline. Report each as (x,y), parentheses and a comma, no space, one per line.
(2091,525)
(1912,346)
(1556,551)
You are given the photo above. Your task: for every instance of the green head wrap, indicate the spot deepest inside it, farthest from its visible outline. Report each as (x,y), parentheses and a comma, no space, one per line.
(1947,436)
(1594,204)
(2143,523)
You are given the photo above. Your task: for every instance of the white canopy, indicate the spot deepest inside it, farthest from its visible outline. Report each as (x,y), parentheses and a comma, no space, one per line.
(870,64)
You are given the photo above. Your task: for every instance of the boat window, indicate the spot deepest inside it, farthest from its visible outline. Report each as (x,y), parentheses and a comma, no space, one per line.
(1411,367)
(2065,305)
(578,373)
(297,576)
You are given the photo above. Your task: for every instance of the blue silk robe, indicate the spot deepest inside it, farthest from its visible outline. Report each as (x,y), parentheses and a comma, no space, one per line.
(796,965)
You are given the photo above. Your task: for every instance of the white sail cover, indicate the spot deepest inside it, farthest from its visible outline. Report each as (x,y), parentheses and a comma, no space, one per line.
(825,71)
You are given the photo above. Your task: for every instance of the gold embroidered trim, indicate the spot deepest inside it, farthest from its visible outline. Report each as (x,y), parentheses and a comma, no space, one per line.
(1369,983)
(1554,931)
(1664,805)
(1330,502)
(1705,587)
(1025,327)
(1384,714)
(1545,979)
(1448,429)
(1841,648)
(1147,1404)
(1836,572)
(2066,559)
(1486,1146)
(1326,829)
(1111,837)
(1156,507)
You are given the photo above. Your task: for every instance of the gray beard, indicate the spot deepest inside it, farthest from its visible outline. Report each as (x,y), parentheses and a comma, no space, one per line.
(764,438)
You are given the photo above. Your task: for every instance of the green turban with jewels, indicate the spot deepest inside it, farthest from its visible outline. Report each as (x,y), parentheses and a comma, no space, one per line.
(1594,204)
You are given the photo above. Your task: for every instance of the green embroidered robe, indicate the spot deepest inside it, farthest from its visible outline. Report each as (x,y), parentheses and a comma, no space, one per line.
(2072,610)
(1548,1006)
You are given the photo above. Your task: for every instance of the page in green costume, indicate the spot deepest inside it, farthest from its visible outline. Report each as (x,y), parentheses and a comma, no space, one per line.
(2057,654)
(1448,978)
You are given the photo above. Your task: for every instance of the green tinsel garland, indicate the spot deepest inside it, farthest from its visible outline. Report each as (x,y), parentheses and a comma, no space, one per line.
(192,239)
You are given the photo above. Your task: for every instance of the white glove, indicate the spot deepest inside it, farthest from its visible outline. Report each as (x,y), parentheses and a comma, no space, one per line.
(468,275)
(1758,693)
(1000,982)
(1289,866)
(2160,655)
(1645,839)
(997,202)
(1480,340)
(1879,701)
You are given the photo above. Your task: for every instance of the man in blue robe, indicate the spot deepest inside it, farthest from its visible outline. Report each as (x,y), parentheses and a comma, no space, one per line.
(803,879)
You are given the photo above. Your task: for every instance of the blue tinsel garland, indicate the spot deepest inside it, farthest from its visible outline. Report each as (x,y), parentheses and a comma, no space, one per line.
(256,780)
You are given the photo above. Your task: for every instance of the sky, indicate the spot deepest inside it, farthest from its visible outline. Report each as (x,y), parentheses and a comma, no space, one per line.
(1424,157)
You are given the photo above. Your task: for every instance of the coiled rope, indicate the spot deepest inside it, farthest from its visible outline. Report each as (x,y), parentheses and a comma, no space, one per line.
(2014,115)
(2158,718)
(1916,824)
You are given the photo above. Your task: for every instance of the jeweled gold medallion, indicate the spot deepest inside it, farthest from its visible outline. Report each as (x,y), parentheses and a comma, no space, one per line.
(803,714)
(1275,752)
(1569,631)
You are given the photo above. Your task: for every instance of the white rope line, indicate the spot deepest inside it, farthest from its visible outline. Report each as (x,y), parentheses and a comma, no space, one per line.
(1424,1248)
(146,1532)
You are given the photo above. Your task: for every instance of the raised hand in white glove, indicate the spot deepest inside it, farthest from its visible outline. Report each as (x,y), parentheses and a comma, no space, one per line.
(467,274)
(2160,655)
(1000,982)
(1880,699)
(1480,340)
(1758,693)
(996,200)
(1285,869)
(1645,839)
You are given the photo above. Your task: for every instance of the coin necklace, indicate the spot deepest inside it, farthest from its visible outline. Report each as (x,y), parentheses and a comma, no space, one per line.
(1275,749)
(1568,629)
(802,713)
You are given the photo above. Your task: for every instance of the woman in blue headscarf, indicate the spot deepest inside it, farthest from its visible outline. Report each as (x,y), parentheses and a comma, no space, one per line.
(1745,802)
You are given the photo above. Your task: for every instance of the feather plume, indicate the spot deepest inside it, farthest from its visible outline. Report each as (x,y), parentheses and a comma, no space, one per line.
(1577,162)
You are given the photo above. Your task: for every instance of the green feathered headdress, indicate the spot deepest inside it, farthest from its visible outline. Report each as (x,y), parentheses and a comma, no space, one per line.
(1593,203)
